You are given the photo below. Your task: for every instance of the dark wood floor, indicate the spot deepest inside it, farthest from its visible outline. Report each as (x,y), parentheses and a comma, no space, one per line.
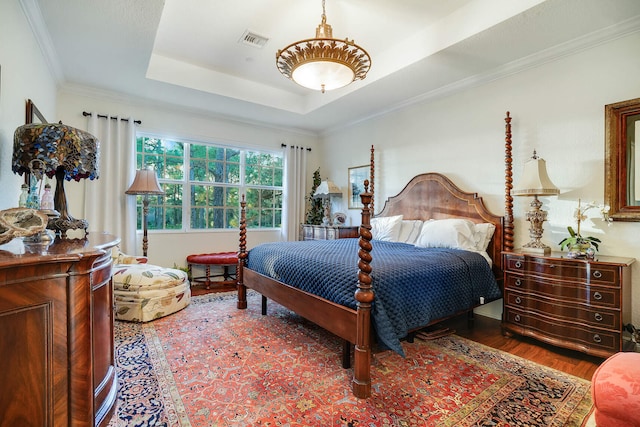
(487,331)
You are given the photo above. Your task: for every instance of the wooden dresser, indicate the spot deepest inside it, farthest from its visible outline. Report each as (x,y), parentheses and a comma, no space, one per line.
(573,303)
(56,333)
(328,232)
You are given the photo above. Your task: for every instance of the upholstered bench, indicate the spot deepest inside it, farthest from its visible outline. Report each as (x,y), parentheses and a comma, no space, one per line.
(615,389)
(223,260)
(144,292)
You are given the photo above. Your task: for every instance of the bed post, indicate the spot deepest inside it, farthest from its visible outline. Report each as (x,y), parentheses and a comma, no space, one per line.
(242,256)
(372,173)
(364,297)
(508,185)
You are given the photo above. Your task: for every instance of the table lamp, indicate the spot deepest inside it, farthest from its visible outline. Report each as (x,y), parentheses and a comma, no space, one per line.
(535,182)
(325,190)
(55,149)
(144,184)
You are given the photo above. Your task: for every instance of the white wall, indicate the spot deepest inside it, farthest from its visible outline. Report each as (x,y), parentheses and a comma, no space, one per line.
(169,247)
(23,74)
(557,109)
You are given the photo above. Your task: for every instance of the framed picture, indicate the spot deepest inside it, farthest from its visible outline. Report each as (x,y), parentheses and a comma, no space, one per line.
(357,175)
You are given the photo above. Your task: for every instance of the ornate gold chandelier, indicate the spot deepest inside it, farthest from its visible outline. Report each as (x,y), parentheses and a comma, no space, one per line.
(323,63)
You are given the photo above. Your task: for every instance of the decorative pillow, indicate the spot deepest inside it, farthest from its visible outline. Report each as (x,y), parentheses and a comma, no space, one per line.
(386,228)
(483,235)
(409,230)
(448,233)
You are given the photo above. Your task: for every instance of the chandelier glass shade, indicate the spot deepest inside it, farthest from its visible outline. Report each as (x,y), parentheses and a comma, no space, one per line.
(323,63)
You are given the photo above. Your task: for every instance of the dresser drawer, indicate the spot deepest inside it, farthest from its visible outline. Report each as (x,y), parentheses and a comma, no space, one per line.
(574,313)
(564,291)
(582,271)
(591,340)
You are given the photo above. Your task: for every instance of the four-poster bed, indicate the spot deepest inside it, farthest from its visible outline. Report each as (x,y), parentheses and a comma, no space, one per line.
(427,197)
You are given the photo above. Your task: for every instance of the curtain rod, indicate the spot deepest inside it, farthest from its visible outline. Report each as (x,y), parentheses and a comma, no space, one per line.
(103,116)
(295,146)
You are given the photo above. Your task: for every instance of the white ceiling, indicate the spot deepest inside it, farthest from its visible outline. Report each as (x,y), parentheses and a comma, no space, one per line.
(188,52)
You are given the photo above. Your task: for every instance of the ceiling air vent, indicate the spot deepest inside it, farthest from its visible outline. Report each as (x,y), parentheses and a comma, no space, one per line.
(252,39)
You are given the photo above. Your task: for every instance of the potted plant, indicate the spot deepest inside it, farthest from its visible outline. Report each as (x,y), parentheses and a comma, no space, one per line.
(315,210)
(577,244)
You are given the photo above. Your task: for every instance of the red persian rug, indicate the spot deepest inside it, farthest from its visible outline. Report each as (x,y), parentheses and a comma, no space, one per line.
(213,365)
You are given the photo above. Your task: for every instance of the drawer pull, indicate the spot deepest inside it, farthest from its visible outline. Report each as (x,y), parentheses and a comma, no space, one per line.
(518,300)
(597,274)
(596,338)
(597,295)
(518,282)
(518,264)
(598,317)
(517,318)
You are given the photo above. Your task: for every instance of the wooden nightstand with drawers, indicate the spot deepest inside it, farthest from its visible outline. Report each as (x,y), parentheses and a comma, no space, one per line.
(328,232)
(578,304)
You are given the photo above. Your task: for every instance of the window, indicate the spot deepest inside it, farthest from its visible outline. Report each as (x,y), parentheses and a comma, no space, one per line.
(203,184)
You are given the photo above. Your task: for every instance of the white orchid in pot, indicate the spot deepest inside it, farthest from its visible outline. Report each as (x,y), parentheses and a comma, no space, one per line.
(578,245)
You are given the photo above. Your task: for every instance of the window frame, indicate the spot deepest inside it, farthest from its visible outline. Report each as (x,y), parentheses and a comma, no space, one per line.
(187,184)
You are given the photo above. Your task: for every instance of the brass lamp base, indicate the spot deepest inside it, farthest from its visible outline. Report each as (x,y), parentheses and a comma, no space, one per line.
(61,225)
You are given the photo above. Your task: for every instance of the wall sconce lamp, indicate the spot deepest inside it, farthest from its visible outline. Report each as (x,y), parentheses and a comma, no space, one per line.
(535,182)
(325,190)
(144,184)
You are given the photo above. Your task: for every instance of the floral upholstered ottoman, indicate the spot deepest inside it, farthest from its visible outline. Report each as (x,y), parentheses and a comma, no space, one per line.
(144,292)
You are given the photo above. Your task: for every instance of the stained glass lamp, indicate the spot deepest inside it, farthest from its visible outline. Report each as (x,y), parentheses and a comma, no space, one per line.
(55,149)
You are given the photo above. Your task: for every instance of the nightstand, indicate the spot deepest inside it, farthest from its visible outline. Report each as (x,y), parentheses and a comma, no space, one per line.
(578,304)
(328,232)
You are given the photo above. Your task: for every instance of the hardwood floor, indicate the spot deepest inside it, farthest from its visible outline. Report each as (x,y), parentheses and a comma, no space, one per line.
(487,331)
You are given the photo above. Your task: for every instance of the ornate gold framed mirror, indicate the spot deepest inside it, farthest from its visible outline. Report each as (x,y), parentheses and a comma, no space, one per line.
(622,160)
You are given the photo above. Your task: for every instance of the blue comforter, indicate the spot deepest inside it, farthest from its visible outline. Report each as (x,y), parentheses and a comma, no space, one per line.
(412,285)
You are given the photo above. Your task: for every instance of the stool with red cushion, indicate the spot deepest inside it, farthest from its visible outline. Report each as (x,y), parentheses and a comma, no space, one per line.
(615,389)
(219,259)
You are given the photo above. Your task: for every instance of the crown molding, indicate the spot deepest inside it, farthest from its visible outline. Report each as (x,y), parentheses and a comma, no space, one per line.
(39,29)
(535,60)
(123,98)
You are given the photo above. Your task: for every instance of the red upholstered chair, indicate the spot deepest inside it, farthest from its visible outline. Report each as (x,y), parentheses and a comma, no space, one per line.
(615,389)
(224,260)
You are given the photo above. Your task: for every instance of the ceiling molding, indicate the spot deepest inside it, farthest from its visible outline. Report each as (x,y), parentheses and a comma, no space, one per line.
(141,102)
(43,38)
(535,60)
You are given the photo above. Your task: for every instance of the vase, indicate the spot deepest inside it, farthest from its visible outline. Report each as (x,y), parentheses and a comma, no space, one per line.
(579,250)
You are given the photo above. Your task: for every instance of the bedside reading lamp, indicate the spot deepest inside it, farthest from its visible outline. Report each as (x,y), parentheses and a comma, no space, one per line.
(325,190)
(145,183)
(61,151)
(535,182)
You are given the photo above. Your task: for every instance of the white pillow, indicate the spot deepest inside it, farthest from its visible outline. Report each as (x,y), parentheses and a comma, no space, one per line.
(448,233)
(483,234)
(386,228)
(409,231)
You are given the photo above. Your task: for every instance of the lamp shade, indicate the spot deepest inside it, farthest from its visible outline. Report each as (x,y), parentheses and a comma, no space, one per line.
(46,147)
(535,180)
(327,188)
(145,182)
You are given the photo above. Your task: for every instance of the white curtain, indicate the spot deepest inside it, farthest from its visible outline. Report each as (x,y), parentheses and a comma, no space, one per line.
(295,164)
(107,208)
